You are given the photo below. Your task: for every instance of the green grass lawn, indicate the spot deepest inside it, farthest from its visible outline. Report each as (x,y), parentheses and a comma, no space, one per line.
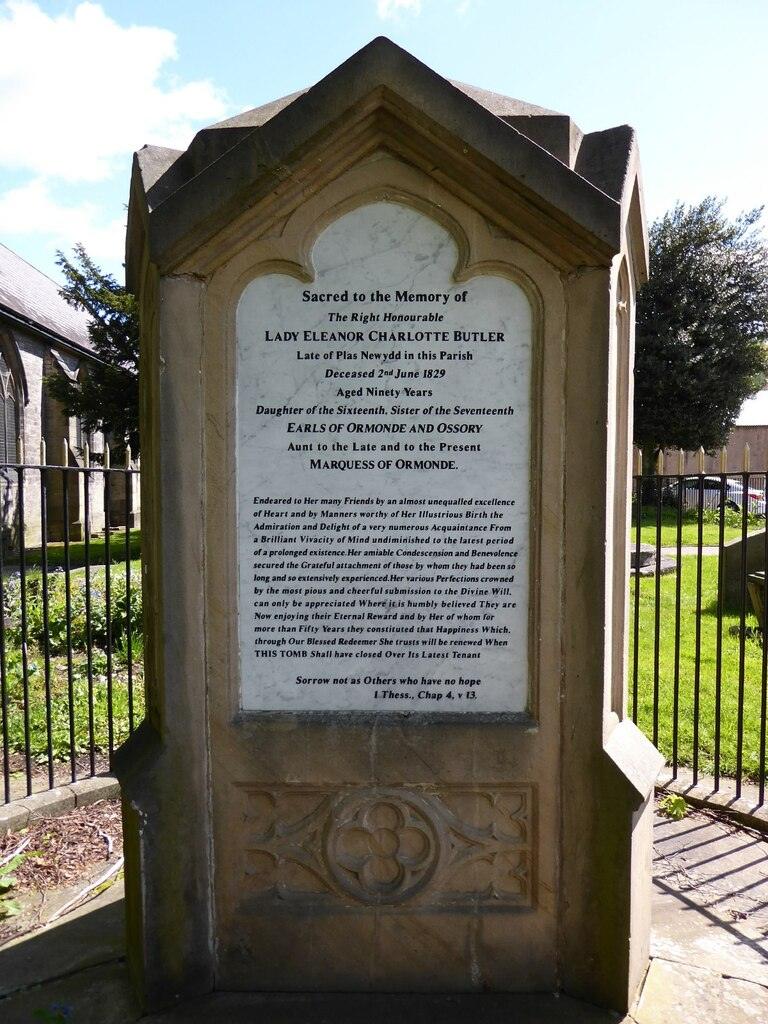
(690,527)
(730,671)
(97,549)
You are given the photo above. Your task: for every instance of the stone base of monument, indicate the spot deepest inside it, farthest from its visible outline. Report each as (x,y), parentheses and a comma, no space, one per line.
(354,1008)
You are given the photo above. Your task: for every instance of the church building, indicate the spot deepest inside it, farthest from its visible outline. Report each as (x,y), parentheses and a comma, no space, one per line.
(41,336)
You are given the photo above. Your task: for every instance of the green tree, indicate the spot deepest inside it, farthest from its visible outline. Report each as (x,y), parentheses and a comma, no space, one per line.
(702,327)
(106,398)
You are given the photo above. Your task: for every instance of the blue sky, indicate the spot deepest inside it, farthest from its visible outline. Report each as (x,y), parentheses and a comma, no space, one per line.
(82,85)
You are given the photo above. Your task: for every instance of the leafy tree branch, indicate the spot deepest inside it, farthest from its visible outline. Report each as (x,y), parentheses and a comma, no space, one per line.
(702,327)
(105,396)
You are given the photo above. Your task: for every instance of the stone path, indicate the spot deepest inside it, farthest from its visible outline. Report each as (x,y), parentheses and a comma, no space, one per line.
(691,549)
(709,949)
(710,925)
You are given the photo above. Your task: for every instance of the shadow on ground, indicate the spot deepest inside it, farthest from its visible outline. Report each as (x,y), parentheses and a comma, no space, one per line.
(79,962)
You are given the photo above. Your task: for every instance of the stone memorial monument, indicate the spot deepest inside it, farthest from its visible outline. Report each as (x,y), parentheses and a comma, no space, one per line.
(387,342)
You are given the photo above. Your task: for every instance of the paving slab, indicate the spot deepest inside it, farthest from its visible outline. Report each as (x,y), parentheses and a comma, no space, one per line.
(98,995)
(685,934)
(715,867)
(710,905)
(94,934)
(676,993)
(710,924)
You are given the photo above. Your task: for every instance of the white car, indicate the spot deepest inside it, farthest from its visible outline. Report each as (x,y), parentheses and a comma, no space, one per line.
(711,488)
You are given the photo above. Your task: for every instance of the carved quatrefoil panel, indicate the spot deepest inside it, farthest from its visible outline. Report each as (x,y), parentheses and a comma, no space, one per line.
(388,846)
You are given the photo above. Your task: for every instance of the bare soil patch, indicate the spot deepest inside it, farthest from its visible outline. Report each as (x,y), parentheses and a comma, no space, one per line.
(59,853)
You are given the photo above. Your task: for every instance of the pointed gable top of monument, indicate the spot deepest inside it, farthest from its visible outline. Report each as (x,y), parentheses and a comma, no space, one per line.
(230,166)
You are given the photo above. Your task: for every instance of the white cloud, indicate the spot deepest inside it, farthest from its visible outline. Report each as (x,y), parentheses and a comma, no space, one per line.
(78,92)
(31,209)
(390,10)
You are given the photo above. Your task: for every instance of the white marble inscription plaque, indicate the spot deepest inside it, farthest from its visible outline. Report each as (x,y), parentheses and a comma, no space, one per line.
(383,478)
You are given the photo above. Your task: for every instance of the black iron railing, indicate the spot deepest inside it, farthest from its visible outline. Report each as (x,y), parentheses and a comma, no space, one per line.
(698,658)
(71,638)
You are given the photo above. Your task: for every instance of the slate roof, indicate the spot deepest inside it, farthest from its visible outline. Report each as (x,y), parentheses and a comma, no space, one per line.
(30,295)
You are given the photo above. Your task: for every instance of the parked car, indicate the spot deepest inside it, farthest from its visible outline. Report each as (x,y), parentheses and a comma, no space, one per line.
(712,492)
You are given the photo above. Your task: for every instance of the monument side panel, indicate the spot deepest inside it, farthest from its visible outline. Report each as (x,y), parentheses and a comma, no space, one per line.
(163,767)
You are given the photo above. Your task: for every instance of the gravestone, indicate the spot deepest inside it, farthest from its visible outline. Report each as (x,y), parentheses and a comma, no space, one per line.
(740,559)
(386,356)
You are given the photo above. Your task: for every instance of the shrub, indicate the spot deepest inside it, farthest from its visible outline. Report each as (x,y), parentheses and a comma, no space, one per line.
(123,609)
